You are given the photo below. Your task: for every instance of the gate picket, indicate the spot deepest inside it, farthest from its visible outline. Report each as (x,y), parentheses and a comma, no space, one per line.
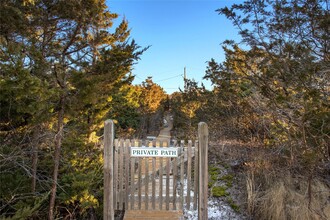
(182,173)
(196,179)
(116,175)
(168,169)
(139,184)
(153,197)
(132,182)
(161,181)
(146,185)
(127,160)
(167,182)
(188,174)
(175,173)
(121,168)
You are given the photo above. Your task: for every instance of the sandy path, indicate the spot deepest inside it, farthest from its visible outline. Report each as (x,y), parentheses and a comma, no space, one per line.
(165,133)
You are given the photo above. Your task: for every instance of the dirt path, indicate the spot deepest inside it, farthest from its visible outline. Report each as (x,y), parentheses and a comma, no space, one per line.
(165,133)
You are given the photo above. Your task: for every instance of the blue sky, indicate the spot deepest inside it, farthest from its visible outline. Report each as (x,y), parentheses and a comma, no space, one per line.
(181,33)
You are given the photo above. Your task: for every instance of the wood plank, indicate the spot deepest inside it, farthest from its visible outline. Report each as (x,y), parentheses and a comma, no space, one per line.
(168,167)
(146,160)
(188,174)
(155,162)
(161,181)
(182,173)
(151,215)
(175,175)
(134,172)
(121,176)
(108,210)
(203,170)
(139,182)
(132,194)
(196,173)
(143,199)
(153,202)
(127,173)
(116,173)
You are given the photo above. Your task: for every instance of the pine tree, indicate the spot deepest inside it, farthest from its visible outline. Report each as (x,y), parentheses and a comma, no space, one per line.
(151,106)
(60,66)
(286,67)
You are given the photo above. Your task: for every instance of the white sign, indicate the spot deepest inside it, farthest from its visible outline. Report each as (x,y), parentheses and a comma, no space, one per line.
(154,152)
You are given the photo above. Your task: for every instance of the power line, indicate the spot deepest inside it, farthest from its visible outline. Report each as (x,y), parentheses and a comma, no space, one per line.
(138,77)
(168,78)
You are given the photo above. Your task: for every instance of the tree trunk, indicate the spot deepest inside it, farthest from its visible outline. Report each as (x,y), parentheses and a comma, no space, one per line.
(35,141)
(57,154)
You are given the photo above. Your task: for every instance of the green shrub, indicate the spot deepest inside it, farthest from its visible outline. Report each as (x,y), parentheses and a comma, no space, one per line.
(219,191)
(232,204)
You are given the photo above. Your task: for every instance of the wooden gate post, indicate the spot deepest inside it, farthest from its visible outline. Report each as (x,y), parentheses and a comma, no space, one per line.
(203,135)
(108,209)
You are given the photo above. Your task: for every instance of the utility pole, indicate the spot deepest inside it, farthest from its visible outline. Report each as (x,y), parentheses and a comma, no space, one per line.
(185,79)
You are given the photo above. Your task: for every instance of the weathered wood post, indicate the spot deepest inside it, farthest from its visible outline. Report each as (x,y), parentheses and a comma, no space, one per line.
(108,209)
(203,135)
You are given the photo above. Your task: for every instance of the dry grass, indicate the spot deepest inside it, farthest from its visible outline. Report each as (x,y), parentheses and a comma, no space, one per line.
(272,191)
(288,199)
(251,193)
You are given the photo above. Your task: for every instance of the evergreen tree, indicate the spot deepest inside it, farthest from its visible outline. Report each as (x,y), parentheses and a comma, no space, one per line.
(152,98)
(60,66)
(286,69)
(188,107)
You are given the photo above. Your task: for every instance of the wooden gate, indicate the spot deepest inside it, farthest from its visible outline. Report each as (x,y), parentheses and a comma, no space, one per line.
(158,176)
